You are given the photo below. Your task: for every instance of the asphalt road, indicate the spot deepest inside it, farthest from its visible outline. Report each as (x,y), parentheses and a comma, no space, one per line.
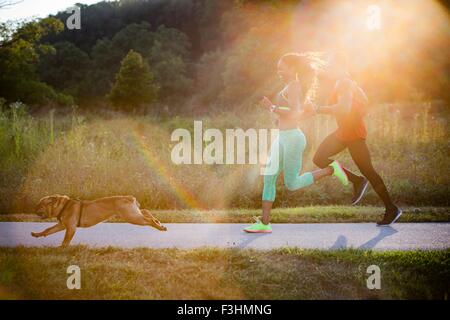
(401,236)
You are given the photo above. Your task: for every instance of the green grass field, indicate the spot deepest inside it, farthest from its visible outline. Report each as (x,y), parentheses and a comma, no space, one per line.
(109,273)
(313,214)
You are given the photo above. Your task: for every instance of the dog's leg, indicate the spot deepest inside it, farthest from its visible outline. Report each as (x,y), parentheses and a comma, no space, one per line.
(153,222)
(70,232)
(146,213)
(56,228)
(135,218)
(139,217)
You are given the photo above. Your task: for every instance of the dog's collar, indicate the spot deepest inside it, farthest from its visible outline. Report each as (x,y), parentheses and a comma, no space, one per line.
(64,207)
(81,211)
(62,210)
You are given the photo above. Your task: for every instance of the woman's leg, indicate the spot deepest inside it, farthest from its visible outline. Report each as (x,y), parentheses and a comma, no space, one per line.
(266,208)
(271,174)
(286,153)
(361,155)
(329,147)
(293,156)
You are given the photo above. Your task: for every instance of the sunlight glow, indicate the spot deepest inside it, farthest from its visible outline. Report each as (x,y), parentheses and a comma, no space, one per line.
(385,42)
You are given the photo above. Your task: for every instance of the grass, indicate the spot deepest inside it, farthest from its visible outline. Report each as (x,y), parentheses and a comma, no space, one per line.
(316,214)
(110,273)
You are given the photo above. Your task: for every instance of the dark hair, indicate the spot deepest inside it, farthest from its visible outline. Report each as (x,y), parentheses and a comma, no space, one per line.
(298,62)
(306,64)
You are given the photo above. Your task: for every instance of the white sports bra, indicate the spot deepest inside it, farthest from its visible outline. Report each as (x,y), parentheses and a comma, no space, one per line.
(283,92)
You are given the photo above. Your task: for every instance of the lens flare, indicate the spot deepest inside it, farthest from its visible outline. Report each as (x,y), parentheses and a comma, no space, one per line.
(161,169)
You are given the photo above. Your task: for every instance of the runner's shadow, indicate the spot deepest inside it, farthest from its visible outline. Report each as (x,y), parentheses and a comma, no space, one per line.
(384,232)
(341,241)
(249,237)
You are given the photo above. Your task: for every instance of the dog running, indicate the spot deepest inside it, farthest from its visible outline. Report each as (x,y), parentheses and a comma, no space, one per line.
(72,214)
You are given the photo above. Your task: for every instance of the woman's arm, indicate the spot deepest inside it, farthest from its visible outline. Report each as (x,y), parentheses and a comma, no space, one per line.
(344,101)
(298,110)
(293,107)
(307,112)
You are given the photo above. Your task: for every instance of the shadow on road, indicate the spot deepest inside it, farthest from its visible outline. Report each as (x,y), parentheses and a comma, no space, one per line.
(384,232)
(342,243)
(249,237)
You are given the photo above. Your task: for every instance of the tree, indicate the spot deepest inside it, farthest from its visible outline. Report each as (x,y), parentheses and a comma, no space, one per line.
(108,53)
(167,50)
(169,58)
(20,52)
(66,69)
(134,85)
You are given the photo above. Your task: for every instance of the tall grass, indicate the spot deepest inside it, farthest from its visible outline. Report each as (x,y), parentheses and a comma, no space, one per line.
(90,156)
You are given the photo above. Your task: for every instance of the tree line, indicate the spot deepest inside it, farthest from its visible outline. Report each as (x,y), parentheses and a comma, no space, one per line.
(191,54)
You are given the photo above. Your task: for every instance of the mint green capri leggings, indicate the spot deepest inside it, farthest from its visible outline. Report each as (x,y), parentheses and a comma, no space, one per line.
(286,151)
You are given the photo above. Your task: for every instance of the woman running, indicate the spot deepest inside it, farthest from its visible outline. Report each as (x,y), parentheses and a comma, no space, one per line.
(348,105)
(287,149)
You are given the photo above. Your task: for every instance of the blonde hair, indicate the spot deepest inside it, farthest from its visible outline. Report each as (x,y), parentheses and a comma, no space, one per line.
(307,64)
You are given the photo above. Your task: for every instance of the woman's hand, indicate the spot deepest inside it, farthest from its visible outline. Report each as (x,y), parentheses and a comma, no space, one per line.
(266,103)
(308,111)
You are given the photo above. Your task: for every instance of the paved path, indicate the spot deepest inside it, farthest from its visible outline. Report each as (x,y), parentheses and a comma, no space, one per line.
(401,236)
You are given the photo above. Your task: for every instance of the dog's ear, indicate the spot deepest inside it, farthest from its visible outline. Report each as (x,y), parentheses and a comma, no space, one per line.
(43,203)
(40,203)
(57,204)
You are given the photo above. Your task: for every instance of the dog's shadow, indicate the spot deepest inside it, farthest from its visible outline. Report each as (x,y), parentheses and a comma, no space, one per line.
(342,243)
(249,238)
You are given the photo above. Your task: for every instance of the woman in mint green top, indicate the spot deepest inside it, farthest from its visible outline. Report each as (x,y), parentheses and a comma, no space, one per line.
(286,152)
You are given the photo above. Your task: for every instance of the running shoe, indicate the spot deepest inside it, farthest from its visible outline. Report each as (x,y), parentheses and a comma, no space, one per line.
(390,216)
(359,189)
(339,172)
(259,227)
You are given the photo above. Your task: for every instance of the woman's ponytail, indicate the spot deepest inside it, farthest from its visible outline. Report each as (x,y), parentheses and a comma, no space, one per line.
(306,66)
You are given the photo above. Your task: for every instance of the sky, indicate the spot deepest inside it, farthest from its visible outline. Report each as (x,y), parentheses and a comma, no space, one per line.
(38,8)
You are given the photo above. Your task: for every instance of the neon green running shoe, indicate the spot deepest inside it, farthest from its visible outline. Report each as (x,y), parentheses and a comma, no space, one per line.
(259,227)
(339,172)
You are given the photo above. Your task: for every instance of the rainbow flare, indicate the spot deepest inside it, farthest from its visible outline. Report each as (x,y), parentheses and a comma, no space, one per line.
(157,166)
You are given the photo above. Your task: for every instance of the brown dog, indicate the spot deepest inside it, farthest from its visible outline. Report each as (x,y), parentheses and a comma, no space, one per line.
(79,213)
